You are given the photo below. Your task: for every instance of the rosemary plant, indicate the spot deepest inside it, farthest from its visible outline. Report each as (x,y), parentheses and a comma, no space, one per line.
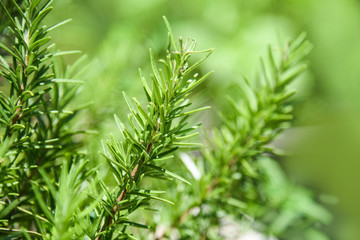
(36,135)
(154,133)
(48,190)
(237,181)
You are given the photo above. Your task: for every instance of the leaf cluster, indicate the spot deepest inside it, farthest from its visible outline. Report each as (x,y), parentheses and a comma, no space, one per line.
(154,132)
(36,133)
(239,178)
(49,191)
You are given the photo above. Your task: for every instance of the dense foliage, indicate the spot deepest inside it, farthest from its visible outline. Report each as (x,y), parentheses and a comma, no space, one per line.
(50,188)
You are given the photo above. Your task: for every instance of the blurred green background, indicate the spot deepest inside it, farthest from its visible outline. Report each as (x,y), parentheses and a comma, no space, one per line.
(324,145)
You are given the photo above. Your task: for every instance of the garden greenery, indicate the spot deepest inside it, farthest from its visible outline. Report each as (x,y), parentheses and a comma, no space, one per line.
(49,191)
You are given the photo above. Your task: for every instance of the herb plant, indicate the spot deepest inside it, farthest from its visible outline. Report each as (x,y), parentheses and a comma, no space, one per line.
(238,170)
(48,189)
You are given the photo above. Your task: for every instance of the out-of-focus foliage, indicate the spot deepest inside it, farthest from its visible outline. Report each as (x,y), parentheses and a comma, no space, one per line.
(118,33)
(236,179)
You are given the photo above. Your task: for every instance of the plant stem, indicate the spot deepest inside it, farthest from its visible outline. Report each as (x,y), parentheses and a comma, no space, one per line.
(123,192)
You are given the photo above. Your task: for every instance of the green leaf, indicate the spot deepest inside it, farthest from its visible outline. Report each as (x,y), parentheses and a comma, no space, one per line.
(160,83)
(144,114)
(135,224)
(195,65)
(145,86)
(59,80)
(17,127)
(167,172)
(58,24)
(4,63)
(4,212)
(171,35)
(236,203)
(290,75)
(195,83)
(48,182)
(196,110)
(63,53)
(42,203)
